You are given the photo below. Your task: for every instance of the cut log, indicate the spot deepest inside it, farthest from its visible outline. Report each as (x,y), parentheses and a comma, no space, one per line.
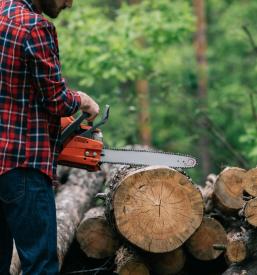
(236,250)
(228,190)
(167,263)
(128,262)
(209,235)
(250,182)
(155,208)
(250,212)
(95,235)
(246,268)
(72,200)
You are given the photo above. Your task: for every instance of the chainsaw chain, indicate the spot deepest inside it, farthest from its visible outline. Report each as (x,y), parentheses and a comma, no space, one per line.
(149,151)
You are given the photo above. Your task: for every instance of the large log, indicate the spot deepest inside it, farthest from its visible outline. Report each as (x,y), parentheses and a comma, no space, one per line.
(228,190)
(72,200)
(202,243)
(95,235)
(155,208)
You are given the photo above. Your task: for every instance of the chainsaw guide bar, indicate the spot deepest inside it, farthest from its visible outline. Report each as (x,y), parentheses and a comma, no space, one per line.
(146,158)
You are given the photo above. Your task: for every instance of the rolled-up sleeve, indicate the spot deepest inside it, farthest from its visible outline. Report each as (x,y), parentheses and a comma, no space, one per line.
(42,56)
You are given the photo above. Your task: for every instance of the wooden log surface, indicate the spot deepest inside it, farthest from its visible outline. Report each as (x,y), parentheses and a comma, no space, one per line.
(236,250)
(155,208)
(228,190)
(167,263)
(95,235)
(202,243)
(250,213)
(250,182)
(128,262)
(72,200)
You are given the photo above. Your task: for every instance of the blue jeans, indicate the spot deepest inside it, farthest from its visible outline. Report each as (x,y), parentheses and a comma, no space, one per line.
(28,215)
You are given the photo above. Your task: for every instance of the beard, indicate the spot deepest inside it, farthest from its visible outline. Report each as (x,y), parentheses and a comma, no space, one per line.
(50,8)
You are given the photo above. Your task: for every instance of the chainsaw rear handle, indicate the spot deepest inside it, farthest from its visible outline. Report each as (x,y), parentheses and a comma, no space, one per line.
(68,131)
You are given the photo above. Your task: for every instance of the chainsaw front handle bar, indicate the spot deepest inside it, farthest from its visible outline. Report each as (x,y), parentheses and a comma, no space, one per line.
(73,126)
(68,131)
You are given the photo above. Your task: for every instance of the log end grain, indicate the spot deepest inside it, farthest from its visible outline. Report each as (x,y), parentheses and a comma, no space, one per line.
(250,182)
(250,212)
(95,235)
(228,190)
(202,243)
(157,208)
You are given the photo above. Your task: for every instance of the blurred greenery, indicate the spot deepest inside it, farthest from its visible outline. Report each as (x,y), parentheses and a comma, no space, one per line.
(101,55)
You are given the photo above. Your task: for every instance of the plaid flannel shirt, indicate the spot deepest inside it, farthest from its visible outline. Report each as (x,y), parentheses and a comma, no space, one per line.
(33,95)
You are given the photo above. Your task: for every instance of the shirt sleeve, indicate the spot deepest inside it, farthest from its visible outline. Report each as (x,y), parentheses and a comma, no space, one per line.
(43,60)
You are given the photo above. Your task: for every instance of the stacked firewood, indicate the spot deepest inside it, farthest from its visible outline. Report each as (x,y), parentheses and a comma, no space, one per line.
(155,220)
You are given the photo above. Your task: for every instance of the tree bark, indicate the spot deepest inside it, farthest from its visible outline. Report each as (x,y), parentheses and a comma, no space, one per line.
(155,208)
(95,235)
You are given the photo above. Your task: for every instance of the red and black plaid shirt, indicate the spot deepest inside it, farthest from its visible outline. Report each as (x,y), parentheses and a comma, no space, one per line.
(33,95)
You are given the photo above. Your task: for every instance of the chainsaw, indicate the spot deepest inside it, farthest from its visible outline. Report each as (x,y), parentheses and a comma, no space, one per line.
(83,147)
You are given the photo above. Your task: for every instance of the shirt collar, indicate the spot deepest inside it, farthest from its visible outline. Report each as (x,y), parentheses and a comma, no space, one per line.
(30,5)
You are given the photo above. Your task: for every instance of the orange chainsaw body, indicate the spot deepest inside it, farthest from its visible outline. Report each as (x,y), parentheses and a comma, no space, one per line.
(79,151)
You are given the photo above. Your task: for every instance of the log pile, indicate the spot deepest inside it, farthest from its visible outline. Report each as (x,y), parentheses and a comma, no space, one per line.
(155,220)
(163,221)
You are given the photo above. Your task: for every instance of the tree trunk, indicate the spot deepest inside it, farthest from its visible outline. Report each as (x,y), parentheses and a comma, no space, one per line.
(95,235)
(202,67)
(209,235)
(72,200)
(155,208)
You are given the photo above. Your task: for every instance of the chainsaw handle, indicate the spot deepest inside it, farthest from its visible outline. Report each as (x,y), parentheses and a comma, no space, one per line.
(73,126)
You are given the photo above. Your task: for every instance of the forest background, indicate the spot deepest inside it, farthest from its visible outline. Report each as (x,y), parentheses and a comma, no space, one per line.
(179,75)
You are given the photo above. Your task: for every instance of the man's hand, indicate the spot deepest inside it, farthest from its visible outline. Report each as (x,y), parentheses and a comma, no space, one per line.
(88,105)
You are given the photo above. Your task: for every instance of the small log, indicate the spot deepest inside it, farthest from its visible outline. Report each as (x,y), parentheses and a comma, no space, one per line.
(72,200)
(236,250)
(167,263)
(250,212)
(250,182)
(155,208)
(228,190)
(245,268)
(128,262)
(208,236)
(95,235)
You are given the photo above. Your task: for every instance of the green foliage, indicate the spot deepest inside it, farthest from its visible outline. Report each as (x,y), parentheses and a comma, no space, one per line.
(104,49)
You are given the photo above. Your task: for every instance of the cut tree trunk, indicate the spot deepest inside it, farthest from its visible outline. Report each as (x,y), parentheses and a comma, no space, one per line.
(236,250)
(228,190)
(95,235)
(250,212)
(250,182)
(128,262)
(72,200)
(155,208)
(167,263)
(207,237)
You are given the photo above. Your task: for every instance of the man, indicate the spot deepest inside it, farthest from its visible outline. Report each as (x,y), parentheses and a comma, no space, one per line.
(33,98)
